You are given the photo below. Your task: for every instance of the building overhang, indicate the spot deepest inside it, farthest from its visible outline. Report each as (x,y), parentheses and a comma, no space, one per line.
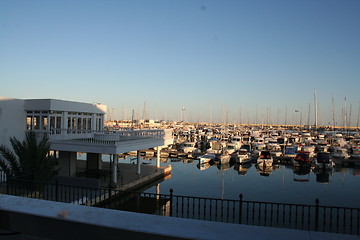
(63,106)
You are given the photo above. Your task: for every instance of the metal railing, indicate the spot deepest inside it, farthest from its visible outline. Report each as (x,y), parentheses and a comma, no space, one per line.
(282,215)
(102,136)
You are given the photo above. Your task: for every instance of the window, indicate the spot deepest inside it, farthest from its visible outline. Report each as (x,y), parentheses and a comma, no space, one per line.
(89,124)
(36,122)
(84,123)
(58,122)
(44,120)
(73,125)
(79,121)
(52,122)
(29,123)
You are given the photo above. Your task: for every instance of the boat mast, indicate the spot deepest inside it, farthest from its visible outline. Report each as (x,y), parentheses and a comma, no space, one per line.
(308,121)
(333,114)
(358,118)
(300,118)
(345,117)
(315,103)
(349,119)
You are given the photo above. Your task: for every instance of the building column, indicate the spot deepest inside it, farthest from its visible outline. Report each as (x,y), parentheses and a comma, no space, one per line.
(114,163)
(138,161)
(64,122)
(93,161)
(158,154)
(67,163)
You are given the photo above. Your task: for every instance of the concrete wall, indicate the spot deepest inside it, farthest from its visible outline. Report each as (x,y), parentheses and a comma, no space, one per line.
(55,220)
(12,120)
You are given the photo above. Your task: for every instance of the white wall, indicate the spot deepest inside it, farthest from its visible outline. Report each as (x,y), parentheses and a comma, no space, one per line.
(12,120)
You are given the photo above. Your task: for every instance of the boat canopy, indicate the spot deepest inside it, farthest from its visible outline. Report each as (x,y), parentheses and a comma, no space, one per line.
(290,150)
(323,157)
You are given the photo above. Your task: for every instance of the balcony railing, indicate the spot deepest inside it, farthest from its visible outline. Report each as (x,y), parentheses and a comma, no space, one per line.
(102,136)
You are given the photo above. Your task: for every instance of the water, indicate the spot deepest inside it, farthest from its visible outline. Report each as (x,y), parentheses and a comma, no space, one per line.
(281,185)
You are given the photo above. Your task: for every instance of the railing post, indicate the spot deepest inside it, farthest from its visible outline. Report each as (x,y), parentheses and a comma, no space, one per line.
(240,208)
(317,214)
(109,196)
(56,190)
(171,202)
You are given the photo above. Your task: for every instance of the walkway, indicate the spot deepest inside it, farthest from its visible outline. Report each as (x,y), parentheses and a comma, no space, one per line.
(68,221)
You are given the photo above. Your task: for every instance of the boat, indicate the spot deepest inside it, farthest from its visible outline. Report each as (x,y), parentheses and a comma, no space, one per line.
(246,147)
(290,152)
(242,156)
(310,149)
(224,157)
(355,152)
(188,147)
(355,155)
(231,147)
(302,158)
(323,161)
(340,153)
(148,152)
(257,149)
(195,154)
(207,157)
(265,159)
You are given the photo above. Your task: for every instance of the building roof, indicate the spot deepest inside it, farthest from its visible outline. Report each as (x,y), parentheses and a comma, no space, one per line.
(62,105)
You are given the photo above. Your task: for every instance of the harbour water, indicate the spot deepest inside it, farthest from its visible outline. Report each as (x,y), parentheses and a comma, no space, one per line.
(340,187)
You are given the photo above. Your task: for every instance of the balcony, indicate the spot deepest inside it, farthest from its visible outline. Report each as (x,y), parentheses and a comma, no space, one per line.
(104,141)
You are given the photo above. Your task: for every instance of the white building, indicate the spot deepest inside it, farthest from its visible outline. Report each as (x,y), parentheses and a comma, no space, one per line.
(73,127)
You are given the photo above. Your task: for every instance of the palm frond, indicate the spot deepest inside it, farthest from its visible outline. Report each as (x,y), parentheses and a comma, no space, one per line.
(9,162)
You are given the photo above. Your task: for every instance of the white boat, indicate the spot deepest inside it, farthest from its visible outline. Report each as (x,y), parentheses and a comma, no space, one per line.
(231,147)
(355,152)
(257,149)
(341,153)
(237,141)
(310,149)
(188,147)
(265,159)
(242,156)
(224,157)
(207,157)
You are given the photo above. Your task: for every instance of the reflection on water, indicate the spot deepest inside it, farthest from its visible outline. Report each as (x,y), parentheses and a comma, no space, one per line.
(242,168)
(264,170)
(282,183)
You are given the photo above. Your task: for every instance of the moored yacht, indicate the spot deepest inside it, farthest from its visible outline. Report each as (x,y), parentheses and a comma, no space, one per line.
(242,156)
(323,161)
(207,157)
(265,159)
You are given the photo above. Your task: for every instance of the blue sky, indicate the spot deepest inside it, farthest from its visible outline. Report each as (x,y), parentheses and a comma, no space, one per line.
(259,58)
